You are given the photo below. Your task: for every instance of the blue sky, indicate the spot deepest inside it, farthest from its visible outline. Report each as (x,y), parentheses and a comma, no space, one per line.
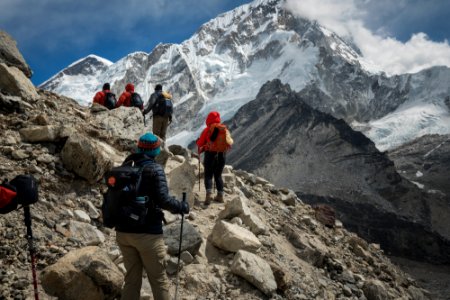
(51,34)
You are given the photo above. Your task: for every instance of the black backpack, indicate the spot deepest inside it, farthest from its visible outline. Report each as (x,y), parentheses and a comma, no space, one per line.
(136,100)
(110,100)
(163,107)
(122,206)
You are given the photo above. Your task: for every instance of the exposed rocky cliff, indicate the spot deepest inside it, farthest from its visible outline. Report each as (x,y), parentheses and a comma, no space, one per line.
(426,162)
(280,137)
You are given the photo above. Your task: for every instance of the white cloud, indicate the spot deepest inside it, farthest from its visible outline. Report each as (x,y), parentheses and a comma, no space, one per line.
(347,18)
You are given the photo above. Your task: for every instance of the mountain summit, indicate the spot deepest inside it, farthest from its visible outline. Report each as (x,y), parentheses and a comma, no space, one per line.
(223,65)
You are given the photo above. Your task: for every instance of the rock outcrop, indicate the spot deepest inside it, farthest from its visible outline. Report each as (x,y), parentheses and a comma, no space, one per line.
(10,55)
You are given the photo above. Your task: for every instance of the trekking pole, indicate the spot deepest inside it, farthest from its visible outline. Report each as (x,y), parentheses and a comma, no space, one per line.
(199,155)
(27,215)
(179,249)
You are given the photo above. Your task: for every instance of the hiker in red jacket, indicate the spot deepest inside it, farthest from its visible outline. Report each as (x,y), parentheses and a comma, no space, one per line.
(129,98)
(105,97)
(214,140)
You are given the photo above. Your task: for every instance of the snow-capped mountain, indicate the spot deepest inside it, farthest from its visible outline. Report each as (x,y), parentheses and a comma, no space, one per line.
(223,65)
(77,77)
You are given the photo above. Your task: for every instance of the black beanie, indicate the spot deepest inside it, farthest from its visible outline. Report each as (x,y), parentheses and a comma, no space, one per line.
(158,87)
(106,87)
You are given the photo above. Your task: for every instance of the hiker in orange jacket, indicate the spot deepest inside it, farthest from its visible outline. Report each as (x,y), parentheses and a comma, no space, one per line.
(100,97)
(126,96)
(214,142)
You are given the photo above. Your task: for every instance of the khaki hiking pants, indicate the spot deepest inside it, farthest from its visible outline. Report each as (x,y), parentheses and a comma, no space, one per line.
(160,125)
(143,251)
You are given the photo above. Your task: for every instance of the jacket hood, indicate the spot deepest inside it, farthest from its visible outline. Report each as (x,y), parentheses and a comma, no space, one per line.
(129,87)
(213,117)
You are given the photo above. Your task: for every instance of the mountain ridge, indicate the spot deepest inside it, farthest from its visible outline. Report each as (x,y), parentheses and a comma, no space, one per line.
(280,137)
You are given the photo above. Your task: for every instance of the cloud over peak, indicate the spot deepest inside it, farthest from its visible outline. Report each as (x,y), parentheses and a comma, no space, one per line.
(352,18)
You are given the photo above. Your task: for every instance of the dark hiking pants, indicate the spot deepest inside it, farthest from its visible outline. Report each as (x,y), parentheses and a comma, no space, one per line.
(214,163)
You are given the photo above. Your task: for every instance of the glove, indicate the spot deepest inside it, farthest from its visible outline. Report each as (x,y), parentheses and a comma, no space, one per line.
(184,207)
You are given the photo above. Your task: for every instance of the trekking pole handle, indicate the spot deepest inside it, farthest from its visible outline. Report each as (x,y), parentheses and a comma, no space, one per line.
(184,198)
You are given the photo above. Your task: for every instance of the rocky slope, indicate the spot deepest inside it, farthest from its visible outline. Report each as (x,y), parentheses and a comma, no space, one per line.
(426,162)
(263,243)
(280,137)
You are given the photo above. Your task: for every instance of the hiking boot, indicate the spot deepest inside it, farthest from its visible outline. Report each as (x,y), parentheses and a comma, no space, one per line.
(208,199)
(219,198)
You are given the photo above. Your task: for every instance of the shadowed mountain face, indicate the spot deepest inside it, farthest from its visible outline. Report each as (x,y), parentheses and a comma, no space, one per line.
(280,137)
(425,161)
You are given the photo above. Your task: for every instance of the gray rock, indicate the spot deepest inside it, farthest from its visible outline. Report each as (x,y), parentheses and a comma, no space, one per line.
(86,273)
(33,134)
(13,82)
(255,270)
(11,56)
(88,158)
(181,178)
(232,238)
(191,240)
(85,233)
(238,207)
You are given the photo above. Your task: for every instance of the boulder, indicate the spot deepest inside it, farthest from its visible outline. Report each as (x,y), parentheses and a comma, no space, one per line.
(86,273)
(88,158)
(123,122)
(191,238)
(255,270)
(14,83)
(238,207)
(35,134)
(232,238)
(11,56)
(181,179)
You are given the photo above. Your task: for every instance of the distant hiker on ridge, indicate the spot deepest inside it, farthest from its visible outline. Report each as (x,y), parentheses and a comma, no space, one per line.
(160,103)
(129,98)
(215,140)
(105,97)
(142,245)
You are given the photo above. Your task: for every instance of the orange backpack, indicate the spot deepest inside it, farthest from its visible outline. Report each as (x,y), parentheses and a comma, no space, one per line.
(222,141)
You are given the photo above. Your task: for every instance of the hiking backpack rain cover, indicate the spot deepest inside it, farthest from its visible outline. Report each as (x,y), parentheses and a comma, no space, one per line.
(219,138)
(22,190)
(8,201)
(121,203)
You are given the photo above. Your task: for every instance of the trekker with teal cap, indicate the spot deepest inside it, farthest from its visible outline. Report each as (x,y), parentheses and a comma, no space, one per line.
(143,247)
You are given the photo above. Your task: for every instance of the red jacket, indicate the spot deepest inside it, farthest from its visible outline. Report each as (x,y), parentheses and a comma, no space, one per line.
(212,119)
(125,97)
(100,97)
